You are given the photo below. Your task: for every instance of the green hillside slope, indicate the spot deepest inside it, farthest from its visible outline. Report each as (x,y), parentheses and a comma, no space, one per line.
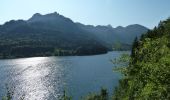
(147,76)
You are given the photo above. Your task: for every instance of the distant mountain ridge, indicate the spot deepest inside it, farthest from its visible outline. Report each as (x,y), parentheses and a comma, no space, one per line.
(111,36)
(53,33)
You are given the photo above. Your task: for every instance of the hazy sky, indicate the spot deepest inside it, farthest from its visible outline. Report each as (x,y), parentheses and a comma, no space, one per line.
(95,12)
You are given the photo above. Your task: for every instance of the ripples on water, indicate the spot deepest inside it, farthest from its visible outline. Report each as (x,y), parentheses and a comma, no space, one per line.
(45,78)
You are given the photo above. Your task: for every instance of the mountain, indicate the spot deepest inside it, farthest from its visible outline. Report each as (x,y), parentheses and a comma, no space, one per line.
(112,36)
(54,34)
(42,35)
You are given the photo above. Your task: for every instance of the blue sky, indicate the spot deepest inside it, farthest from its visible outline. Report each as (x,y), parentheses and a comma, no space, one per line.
(94,12)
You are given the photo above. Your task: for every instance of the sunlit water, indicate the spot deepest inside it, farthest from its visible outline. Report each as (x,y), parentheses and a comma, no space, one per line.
(45,78)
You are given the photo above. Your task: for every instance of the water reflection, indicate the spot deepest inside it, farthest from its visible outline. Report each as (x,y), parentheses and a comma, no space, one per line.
(34,78)
(45,78)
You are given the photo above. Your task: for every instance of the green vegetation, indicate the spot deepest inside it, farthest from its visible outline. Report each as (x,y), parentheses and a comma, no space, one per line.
(10,93)
(117,46)
(65,96)
(103,95)
(147,76)
(25,50)
(147,71)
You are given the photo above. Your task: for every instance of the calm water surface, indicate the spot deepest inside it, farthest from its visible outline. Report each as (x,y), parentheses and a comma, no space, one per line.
(45,78)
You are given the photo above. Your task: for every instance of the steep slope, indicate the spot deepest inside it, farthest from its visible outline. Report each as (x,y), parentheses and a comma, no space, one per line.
(128,33)
(147,76)
(50,34)
(53,21)
(54,34)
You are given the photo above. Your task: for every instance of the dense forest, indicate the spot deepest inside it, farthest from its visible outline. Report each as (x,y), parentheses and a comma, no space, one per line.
(147,75)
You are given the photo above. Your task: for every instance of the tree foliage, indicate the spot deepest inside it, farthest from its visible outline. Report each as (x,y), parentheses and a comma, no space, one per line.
(103,95)
(148,71)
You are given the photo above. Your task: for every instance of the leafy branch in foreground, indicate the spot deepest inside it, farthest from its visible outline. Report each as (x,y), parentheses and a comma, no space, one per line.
(103,95)
(121,63)
(10,93)
(65,96)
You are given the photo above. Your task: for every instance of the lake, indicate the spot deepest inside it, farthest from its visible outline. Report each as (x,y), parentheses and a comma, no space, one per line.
(45,78)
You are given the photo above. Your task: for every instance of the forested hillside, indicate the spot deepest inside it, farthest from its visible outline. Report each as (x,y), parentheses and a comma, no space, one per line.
(46,35)
(55,35)
(119,38)
(147,76)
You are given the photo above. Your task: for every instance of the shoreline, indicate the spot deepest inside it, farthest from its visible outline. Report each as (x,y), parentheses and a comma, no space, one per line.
(54,55)
(61,55)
